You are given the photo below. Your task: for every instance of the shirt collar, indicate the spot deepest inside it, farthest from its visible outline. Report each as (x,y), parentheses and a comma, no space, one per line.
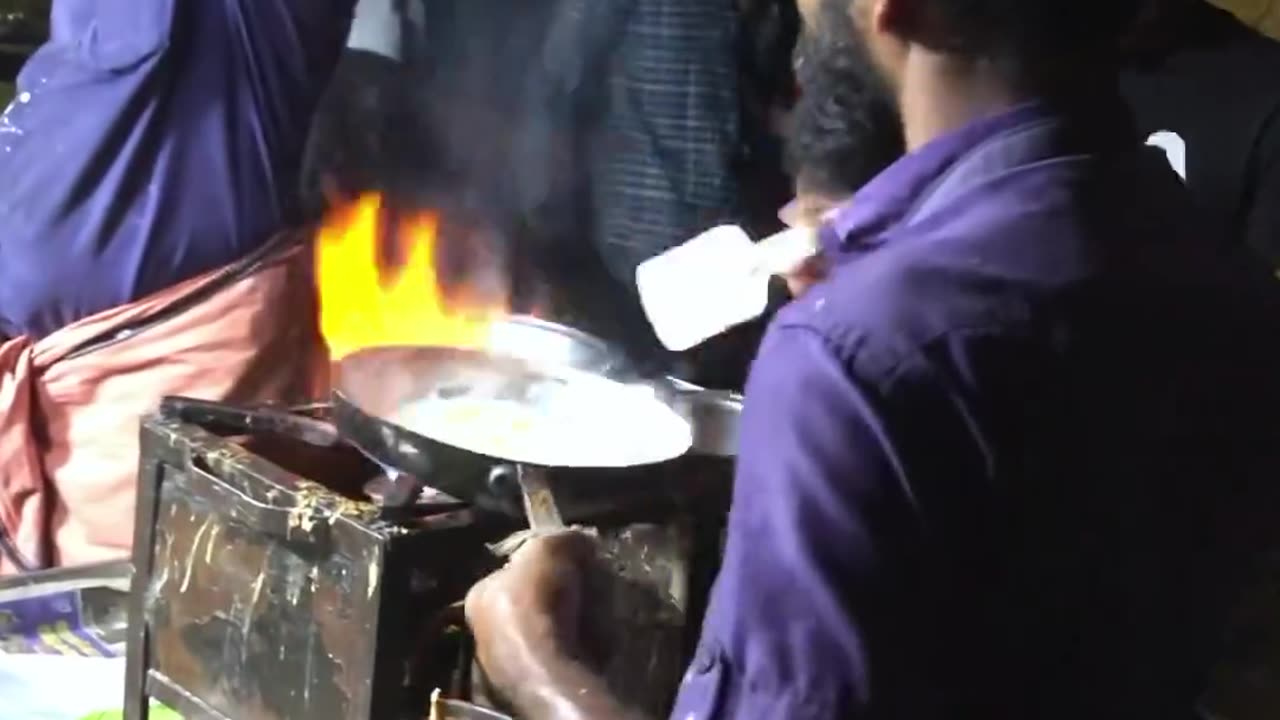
(887,198)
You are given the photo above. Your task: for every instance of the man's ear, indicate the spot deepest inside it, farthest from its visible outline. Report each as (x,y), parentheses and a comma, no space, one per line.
(879,16)
(898,18)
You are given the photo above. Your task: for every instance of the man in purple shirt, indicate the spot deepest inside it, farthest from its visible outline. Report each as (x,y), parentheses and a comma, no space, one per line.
(151,141)
(1008,459)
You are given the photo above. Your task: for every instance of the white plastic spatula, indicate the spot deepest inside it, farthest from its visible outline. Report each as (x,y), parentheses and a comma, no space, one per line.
(716,281)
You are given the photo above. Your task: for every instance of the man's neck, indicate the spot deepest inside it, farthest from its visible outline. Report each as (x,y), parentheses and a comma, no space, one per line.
(940,94)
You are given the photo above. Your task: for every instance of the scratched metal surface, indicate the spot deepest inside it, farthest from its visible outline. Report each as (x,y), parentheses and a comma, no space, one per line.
(272,598)
(225,605)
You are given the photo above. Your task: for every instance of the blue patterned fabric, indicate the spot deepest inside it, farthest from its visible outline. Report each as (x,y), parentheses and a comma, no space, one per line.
(662,166)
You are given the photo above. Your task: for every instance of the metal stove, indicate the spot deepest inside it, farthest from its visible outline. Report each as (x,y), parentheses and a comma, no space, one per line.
(280,575)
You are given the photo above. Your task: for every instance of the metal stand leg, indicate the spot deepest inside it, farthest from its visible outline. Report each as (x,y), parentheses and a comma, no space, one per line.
(137,703)
(539,504)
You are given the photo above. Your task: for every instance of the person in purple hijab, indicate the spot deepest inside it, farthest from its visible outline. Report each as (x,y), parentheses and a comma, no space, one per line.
(151,141)
(1011,458)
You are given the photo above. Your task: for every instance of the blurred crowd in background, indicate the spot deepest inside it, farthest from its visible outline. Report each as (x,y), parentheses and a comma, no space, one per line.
(24,24)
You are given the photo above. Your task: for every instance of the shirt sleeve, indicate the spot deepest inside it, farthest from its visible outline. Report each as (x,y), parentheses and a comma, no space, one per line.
(1262,224)
(812,615)
(188,160)
(289,49)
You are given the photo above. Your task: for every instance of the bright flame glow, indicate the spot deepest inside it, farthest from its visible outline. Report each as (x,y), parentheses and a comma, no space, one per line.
(366,303)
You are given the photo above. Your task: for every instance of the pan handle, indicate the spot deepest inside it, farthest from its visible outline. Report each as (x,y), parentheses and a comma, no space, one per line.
(232,419)
(539,504)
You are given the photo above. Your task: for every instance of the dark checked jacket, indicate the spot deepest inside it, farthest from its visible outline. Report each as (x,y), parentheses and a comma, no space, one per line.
(664,152)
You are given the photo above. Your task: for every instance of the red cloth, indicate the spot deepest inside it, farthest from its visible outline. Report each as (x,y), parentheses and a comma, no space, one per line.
(69,429)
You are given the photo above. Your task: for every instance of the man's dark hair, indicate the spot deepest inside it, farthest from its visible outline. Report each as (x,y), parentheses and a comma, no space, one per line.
(845,127)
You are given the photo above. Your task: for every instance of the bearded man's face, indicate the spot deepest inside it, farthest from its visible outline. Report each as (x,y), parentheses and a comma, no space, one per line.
(846,126)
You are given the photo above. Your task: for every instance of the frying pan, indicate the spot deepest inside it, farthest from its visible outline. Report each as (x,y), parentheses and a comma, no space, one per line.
(633,423)
(373,387)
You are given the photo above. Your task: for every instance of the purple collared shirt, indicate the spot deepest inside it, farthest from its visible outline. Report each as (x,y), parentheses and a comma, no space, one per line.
(986,467)
(151,141)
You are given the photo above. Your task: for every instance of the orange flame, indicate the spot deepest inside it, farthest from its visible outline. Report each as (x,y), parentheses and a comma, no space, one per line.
(367,302)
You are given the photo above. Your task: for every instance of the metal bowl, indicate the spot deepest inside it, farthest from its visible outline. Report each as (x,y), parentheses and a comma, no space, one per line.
(714,415)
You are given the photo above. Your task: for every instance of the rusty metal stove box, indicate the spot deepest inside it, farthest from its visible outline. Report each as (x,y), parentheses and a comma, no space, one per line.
(260,594)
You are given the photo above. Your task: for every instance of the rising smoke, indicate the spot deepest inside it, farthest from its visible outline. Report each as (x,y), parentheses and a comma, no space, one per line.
(488,118)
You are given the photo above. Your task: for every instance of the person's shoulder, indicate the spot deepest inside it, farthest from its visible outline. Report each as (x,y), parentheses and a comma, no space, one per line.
(878,312)
(856,316)
(990,264)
